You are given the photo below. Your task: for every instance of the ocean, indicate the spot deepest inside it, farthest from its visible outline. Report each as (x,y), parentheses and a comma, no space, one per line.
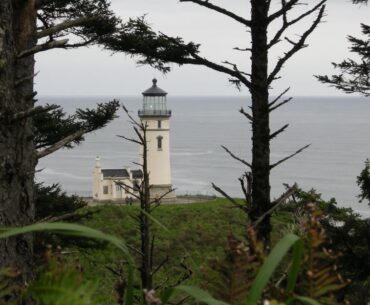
(337,128)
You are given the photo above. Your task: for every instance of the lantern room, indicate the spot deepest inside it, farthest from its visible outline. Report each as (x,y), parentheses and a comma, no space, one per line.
(154,102)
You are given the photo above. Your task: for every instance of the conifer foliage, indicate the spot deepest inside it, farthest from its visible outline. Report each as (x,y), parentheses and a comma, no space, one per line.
(257,80)
(363,181)
(354,75)
(29,27)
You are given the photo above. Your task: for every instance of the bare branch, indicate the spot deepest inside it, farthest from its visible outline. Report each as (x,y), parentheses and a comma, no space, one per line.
(290,156)
(44,47)
(287,23)
(128,188)
(165,261)
(282,129)
(291,190)
(130,139)
(280,104)
(247,189)
(297,46)
(135,249)
(276,204)
(285,8)
(246,114)
(221,10)
(223,193)
(158,200)
(243,49)
(235,157)
(279,97)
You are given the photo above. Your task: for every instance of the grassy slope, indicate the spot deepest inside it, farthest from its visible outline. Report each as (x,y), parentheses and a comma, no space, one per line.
(197,231)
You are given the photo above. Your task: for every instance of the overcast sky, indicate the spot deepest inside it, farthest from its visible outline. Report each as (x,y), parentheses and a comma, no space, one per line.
(90,71)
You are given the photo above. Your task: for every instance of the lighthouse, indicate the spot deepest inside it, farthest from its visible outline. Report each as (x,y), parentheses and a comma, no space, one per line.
(155,115)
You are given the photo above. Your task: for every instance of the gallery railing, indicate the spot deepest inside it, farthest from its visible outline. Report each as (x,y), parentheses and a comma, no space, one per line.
(154,112)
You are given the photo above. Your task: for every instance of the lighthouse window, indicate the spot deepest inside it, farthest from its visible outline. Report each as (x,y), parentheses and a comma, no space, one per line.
(159,142)
(159,124)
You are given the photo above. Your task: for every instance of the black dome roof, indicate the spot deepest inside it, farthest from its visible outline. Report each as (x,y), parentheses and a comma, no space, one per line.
(154,90)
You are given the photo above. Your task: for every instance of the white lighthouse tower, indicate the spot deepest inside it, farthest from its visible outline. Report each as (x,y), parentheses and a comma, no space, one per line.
(156,116)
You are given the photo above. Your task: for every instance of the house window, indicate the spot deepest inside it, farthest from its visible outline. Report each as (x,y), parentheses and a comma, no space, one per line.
(118,187)
(159,142)
(105,189)
(159,124)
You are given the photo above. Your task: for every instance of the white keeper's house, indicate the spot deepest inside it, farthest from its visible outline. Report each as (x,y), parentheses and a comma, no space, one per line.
(155,114)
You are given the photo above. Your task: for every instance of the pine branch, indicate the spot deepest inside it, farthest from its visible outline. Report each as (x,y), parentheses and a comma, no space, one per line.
(223,69)
(64,26)
(41,3)
(221,10)
(198,60)
(44,47)
(31,112)
(19,81)
(60,144)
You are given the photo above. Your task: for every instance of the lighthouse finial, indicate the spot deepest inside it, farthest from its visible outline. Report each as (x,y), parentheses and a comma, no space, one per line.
(154,82)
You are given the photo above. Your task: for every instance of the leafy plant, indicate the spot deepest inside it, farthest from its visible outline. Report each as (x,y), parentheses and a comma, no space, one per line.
(80,231)
(59,284)
(230,277)
(9,287)
(319,278)
(52,286)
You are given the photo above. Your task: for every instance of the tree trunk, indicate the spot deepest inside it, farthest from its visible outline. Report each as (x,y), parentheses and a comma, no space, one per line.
(146,263)
(260,126)
(17,152)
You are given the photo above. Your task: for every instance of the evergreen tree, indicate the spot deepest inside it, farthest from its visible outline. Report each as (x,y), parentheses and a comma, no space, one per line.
(363,181)
(354,75)
(28,27)
(258,80)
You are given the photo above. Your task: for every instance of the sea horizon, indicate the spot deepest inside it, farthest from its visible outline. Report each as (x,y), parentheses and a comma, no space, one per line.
(200,124)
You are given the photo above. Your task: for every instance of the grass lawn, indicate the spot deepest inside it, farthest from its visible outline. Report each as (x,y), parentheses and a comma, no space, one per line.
(197,231)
